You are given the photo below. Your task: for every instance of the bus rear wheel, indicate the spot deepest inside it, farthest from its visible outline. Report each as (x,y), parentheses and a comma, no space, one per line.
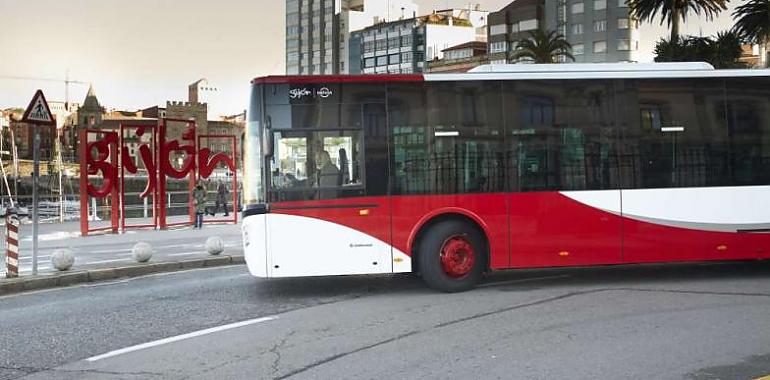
(452,256)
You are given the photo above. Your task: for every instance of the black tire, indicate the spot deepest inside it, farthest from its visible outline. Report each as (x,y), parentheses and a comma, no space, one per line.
(430,257)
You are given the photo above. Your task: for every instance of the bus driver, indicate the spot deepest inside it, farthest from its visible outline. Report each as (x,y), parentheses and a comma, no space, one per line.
(328,174)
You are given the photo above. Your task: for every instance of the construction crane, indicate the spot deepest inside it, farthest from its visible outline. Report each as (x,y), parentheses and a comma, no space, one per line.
(55,163)
(67,81)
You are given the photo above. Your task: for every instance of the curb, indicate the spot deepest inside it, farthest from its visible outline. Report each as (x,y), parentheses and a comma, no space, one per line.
(24,284)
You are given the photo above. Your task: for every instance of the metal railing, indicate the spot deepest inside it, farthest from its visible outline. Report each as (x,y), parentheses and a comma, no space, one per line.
(52,211)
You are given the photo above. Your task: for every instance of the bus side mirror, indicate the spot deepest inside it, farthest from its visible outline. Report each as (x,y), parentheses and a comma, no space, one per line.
(268,138)
(268,143)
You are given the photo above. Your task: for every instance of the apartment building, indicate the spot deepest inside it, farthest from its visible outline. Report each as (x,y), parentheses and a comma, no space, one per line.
(598,30)
(318,31)
(406,46)
(511,24)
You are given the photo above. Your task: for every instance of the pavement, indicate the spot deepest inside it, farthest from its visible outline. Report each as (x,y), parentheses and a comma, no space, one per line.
(105,256)
(697,321)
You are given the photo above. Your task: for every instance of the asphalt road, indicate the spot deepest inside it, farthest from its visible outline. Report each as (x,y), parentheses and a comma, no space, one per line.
(106,250)
(651,322)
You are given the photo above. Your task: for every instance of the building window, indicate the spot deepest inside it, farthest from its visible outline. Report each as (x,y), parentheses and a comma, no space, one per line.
(528,25)
(382,61)
(369,62)
(406,57)
(600,25)
(394,59)
(498,47)
(497,29)
(577,49)
(577,8)
(600,47)
(406,41)
(393,43)
(624,44)
(458,54)
(577,29)
(600,5)
(622,23)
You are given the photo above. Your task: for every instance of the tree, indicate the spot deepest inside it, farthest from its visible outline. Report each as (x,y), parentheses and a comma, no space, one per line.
(753,21)
(674,11)
(543,47)
(722,52)
(726,51)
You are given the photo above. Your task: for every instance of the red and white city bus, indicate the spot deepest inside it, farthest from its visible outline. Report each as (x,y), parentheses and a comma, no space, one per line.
(512,166)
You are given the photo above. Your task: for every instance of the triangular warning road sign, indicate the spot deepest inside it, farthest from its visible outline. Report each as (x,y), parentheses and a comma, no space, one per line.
(38,112)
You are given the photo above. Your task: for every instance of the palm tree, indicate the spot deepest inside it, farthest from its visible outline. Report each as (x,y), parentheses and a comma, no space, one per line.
(726,51)
(722,51)
(753,21)
(674,11)
(542,47)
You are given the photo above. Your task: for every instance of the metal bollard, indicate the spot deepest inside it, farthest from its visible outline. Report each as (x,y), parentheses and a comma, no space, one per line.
(12,237)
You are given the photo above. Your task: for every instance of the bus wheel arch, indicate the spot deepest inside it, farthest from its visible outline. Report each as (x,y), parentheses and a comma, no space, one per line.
(456,249)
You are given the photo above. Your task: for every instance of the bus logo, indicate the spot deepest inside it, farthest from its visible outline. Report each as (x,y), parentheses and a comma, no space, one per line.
(299,93)
(324,92)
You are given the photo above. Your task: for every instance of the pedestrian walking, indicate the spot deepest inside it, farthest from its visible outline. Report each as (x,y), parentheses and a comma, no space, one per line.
(199,197)
(221,198)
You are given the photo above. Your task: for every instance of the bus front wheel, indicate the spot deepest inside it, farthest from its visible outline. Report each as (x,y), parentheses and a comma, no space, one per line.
(452,256)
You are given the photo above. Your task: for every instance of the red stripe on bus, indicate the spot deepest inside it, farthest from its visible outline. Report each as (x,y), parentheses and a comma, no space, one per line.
(307,79)
(529,234)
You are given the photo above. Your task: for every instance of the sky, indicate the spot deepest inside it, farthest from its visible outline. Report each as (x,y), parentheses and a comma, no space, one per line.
(141,53)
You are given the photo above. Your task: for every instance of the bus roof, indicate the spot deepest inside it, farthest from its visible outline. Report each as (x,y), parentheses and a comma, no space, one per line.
(538,72)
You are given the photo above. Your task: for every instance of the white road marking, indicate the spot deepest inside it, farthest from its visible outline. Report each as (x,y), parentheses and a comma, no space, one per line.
(30,257)
(107,261)
(110,250)
(39,267)
(177,338)
(106,283)
(185,254)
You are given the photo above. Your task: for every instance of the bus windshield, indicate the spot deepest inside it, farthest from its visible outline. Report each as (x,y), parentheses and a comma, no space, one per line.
(312,141)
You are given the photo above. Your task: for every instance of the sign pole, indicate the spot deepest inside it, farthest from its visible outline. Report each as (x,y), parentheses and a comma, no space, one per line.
(38,113)
(35,181)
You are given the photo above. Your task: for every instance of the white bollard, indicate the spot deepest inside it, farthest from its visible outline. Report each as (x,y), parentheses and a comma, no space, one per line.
(63,259)
(142,252)
(214,245)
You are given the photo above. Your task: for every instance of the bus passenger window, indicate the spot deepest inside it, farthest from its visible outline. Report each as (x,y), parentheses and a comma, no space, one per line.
(316,165)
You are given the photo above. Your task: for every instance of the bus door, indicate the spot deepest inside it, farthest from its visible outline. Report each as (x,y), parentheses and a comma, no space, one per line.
(564,199)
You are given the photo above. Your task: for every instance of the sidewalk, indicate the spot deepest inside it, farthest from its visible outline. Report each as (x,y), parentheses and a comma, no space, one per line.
(108,256)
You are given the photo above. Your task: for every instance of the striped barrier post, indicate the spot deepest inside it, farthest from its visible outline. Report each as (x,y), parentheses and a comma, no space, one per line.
(12,238)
